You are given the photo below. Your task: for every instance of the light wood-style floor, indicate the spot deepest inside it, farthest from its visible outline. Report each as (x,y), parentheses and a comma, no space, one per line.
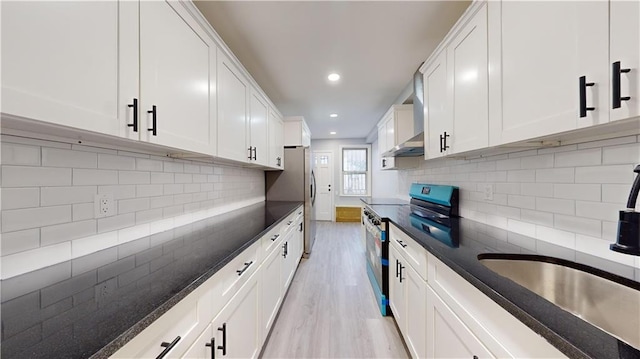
(330,311)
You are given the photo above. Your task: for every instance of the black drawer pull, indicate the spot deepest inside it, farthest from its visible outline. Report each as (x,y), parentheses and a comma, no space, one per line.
(616,73)
(279,161)
(275,237)
(154,120)
(401,243)
(289,223)
(250,153)
(135,115)
(583,84)
(397,268)
(223,347)
(300,229)
(285,249)
(212,345)
(246,266)
(167,347)
(255,153)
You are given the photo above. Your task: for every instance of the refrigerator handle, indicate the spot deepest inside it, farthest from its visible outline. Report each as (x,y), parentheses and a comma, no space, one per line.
(313,188)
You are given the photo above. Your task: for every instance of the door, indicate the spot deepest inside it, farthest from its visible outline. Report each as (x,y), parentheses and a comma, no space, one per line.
(276,140)
(625,47)
(557,43)
(232,111)
(416,292)
(323,163)
(258,111)
(396,289)
(204,347)
(177,71)
(447,335)
(437,117)
(382,138)
(271,290)
(467,64)
(73,63)
(390,128)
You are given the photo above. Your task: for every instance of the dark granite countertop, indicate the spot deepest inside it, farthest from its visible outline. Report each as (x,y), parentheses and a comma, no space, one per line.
(383,201)
(570,334)
(93,305)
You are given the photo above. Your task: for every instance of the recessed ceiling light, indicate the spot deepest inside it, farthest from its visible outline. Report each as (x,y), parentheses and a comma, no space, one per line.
(334,115)
(333,77)
(332,132)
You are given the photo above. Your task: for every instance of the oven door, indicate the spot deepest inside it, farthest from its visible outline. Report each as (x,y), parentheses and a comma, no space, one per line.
(373,253)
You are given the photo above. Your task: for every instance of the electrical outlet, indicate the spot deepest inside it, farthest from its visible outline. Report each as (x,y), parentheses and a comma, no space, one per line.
(488,192)
(104,206)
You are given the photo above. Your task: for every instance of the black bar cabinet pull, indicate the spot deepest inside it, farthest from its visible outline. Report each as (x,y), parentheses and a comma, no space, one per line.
(279,163)
(246,266)
(583,96)
(223,347)
(300,229)
(167,347)
(134,105)
(475,357)
(384,162)
(212,345)
(397,268)
(401,268)
(285,249)
(445,147)
(441,146)
(401,243)
(154,120)
(617,71)
(250,153)
(255,153)
(275,237)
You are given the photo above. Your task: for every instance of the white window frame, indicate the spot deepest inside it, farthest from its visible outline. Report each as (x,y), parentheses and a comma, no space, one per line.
(362,146)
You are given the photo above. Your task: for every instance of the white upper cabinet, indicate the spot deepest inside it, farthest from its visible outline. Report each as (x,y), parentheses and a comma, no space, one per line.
(437,114)
(296,132)
(624,47)
(468,85)
(382,138)
(259,111)
(544,48)
(276,140)
(232,111)
(395,127)
(62,61)
(177,72)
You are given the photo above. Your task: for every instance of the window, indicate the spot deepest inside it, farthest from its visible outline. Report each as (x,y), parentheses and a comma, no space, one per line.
(355,171)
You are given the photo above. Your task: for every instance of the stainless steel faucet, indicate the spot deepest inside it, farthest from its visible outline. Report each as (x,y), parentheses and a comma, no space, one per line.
(628,241)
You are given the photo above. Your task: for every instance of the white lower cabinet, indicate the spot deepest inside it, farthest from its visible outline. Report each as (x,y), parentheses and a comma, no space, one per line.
(204,347)
(271,292)
(447,335)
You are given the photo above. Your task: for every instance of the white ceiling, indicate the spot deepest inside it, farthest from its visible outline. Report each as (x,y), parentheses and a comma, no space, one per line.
(290,47)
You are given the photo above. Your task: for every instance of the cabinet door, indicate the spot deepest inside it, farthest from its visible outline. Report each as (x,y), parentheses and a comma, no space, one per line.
(259,111)
(382,139)
(232,111)
(546,47)
(237,326)
(271,291)
(177,71)
(467,65)
(416,292)
(73,63)
(390,131)
(288,262)
(276,140)
(199,349)
(625,47)
(447,336)
(396,290)
(437,116)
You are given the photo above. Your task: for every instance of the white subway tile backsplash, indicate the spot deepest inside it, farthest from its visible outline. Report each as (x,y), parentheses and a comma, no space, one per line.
(149,190)
(206,170)
(55,157)
(598,210)
(52,196)
(521,176)
(143,164)
(507,188)
(555,236)
(605,174)
(555,175)
(132,205)
(540,161)
(585,192)
(537,217)
(557,149)
(111,162)
(16,198)
(528,202)
(16,154)
(28,261)
(600,248)
(588,157)
(118,191)
(67,232)
(18,219)
(173,211)
(537,189)
(622,154)
(173,167)
(508,164)
(524,228)
(190,168)
(22,176)
(616,193)
(148,215)
(116,222)
(132,154)
(161,201)
(82,177)
(84,148)
(590,227)
(83,211)
(183,178)
(199,178)
(191,187)
(173,189)
(19,241)
(522,154)
(561,206)
(134,177)
(162,178)
(609,231)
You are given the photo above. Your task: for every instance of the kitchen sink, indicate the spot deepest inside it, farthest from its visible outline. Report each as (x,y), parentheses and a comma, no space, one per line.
(605,300)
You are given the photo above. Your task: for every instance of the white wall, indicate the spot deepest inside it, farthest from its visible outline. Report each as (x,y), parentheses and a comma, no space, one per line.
(384,184)
(334,146)
(568,195)
(48,191)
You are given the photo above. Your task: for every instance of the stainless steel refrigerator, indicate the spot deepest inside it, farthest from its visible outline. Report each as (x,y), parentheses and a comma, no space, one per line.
(296,182)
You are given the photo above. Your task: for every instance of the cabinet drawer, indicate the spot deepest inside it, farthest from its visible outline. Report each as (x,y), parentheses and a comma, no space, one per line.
(272,239)
(186,320)
(413,253)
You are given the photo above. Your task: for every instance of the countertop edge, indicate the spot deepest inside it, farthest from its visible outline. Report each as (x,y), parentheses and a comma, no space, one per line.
(145,322)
